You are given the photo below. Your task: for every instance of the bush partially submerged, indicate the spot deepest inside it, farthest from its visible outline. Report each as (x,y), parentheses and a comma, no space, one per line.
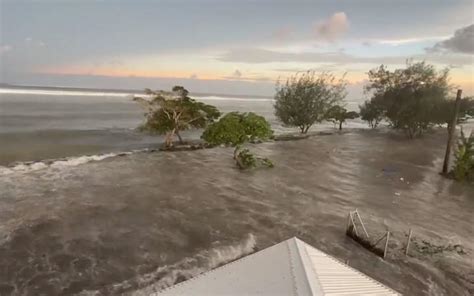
(237,128)
(246,160)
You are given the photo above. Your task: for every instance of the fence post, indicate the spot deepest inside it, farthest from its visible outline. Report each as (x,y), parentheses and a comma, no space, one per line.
(361,223)
(386,245)
(408,242)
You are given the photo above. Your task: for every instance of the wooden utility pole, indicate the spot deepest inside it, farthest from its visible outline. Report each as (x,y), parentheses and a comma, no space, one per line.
(451,131)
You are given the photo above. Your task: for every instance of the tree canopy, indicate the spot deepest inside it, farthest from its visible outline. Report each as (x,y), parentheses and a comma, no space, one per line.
(410,96)
(339,114)
(371,112)
(171,112)
(305,99)
(236,128)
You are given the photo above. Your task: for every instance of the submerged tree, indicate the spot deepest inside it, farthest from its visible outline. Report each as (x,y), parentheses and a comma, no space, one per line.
(306,98)
(372,113)
(235,129)
(169,113)
(409,97)
(339,115)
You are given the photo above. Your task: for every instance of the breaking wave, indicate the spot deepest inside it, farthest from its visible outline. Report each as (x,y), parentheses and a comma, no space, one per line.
(91,93)
(31,166)
(66,92)
(168,275)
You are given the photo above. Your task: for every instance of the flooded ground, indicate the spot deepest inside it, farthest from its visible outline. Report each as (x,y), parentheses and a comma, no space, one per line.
(139,222)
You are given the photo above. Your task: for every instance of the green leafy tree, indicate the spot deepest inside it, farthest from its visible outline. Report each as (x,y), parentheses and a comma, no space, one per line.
(169,113)
(305,99)
(464,163)
(409,96)
(236,129)
(372,113)
(339,115)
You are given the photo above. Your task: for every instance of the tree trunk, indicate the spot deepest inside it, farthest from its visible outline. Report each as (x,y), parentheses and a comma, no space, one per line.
(179,137)
(169,138)
(340,125)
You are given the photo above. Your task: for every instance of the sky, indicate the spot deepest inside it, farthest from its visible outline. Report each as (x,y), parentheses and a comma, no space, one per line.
(228,46)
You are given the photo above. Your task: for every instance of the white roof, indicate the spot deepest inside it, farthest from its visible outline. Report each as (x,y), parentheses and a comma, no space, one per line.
(291,267)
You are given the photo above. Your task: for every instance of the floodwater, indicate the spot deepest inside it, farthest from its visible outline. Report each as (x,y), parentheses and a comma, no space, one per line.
(106,216)
(140,222)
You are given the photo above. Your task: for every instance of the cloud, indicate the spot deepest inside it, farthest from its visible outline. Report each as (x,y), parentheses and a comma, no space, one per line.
(396,42)
(260,56)
(193,76)
(283,34)
(34,43)
(257,56)
(322,68)
(461,42)
(237,74)
(333,28)
(5,48)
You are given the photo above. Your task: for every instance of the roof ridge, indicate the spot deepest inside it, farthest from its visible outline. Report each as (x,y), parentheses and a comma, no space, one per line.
(350,268)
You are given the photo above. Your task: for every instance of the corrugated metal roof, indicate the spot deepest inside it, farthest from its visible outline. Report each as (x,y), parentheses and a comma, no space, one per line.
(291,267)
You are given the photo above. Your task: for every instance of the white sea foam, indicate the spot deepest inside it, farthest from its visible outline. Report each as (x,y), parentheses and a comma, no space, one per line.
(166,276)
(27,167)
(58,92)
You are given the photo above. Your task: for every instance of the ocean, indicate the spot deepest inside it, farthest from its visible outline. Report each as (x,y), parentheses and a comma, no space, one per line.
(38,125)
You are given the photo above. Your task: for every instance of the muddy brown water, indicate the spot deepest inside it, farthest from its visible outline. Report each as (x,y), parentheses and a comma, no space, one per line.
(137,223)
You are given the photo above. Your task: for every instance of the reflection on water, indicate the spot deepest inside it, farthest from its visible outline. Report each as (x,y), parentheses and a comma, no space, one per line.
(145,220)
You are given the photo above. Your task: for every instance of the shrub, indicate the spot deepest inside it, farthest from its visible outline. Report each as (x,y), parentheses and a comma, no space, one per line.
(464,162)
(237,128)
(372,113)
(306,98)
(339,114)
(169,113)
(409,97)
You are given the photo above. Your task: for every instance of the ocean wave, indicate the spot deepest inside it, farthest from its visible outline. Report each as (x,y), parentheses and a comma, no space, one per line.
(166,276)
(65,92)
(58,92)
(31,166)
